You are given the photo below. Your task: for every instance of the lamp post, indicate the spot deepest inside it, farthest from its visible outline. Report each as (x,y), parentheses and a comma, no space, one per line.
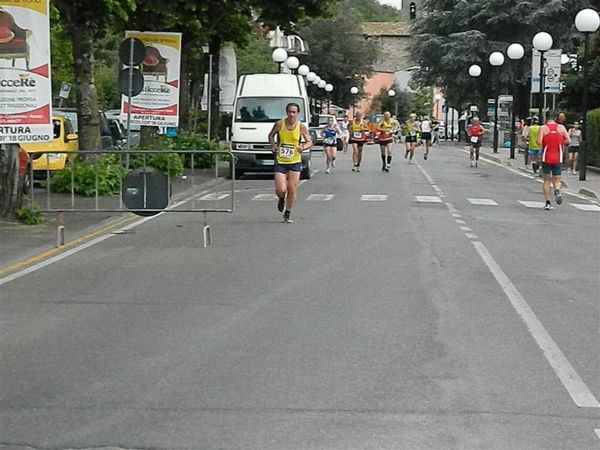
(279,56)
(496,59)
(328,89)
(587,22)
(475,72)
(316,82)
(303,70)
(515,52)
(353,91)
(392,94)
(542,42)
(437,98)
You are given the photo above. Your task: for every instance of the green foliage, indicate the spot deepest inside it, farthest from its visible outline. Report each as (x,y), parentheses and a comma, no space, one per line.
(255,57)
(402,104)
(593,137)
(191,141)
(30,215)
(107,171)
(169,163)
(369,11)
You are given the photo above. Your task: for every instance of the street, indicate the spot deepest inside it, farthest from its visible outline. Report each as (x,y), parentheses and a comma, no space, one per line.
(436,306)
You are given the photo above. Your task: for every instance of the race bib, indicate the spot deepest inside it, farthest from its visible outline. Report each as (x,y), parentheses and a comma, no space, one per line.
(357,135)
(329,141)
(287,151)
(474,139)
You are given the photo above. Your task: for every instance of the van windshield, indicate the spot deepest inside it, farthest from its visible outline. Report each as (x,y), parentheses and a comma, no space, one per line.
(265,109)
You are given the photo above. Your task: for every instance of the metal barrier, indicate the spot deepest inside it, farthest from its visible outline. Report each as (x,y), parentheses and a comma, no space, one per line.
(143,188)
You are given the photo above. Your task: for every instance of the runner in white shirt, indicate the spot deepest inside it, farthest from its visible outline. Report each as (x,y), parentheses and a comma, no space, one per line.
(345,134)
(426,135)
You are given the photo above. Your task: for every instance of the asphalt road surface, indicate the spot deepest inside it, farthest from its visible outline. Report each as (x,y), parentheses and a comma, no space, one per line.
(432,307)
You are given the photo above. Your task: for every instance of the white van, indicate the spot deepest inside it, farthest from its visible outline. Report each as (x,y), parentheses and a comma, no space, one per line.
(260,101)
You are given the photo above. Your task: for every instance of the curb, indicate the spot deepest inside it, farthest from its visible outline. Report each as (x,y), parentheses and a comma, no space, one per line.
(588,193)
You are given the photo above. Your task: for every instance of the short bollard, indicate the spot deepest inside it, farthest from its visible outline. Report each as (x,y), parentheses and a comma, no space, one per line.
(60,230)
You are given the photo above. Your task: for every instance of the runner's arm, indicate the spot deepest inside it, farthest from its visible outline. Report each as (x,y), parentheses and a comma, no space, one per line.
(541,135)
(308,143)
(272,134)
(566,135)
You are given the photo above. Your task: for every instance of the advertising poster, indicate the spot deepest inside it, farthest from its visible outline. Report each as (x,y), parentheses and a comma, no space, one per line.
(227,80)
(25,84)
(158,103)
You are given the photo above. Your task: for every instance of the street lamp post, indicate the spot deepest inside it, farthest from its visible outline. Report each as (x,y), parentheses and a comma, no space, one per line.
(303,70)
(353,91)
(279,56)
(587,22)
(496,60)
(392,94)
(292,63)
(542,42)
(328,89)
(515,52)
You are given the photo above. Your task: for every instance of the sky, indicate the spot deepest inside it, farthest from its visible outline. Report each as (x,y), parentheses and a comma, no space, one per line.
(396,3)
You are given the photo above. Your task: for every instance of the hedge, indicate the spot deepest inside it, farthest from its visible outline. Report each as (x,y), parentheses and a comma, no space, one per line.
(593,137)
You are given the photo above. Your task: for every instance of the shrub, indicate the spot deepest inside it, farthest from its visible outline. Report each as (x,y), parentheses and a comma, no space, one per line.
(189,141)
(107,168)
(169,163)
(30,216)
(593,137)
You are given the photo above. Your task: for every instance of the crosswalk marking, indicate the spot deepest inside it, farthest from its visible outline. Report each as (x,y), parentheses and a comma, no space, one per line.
(214,196)
(531,204)
(482,201)
(585,207)
(374,197)
(428,199)
(319,197)
(265,197)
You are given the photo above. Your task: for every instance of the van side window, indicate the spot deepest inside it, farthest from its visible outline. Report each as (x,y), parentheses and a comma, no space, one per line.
(68,127)
(56,128)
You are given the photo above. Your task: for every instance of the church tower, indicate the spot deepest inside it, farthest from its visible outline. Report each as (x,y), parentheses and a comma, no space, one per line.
(412,9)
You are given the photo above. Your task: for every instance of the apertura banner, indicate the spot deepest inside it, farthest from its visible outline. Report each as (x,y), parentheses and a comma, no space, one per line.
(158,103)
(25,83)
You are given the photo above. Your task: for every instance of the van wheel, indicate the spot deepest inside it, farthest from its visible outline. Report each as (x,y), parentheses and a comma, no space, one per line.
(305,174)
(238,173)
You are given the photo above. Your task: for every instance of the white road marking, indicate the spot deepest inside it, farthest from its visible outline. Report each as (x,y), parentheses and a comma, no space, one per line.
(374,197)
(265,197)
(597,431)
(529,204)
(471,235)
(570,379)
(213,196)
(456,215)
(460,222)
(319,197)
(482,201)
(585,207)
(427,199)
(465,228)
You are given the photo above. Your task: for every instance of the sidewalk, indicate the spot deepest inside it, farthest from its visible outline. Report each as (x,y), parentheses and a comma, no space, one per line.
(590,188)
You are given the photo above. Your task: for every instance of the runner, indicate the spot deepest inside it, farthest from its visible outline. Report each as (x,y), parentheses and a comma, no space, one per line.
(552,138)
(288,157)
(409,131)
(358,138)
(386,140)
(534,150)
(330,134)
(345,133)
(475,132)
(575,135)
(426,135)
(435,128)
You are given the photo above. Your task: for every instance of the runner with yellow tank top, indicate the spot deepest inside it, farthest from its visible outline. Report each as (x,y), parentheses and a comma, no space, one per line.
(534,150)
(358,137)
(288,157)
(410,130)
(386,140)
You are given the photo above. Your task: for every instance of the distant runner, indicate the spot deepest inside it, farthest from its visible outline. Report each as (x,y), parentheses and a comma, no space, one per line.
(426,135)
(552,139)
(288,157)
(358,138)
(410,130)
(344,124)
(386,140)
(330,134)
(475,132)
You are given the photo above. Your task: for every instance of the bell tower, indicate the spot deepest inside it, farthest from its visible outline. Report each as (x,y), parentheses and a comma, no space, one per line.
(412,9)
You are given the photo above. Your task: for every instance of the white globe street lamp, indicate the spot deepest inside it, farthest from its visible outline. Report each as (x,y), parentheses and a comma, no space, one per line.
(279,55)
(496,59)
(391,93)
(292,63)
(328,87)
(474,71)
(542,42)
(587,21)
(322,84)
(515,52)
(317,80)
(311,76)
(353,91)
(303,70)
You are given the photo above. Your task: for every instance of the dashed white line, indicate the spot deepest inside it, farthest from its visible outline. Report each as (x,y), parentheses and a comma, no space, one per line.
(585,207)
(427,199)
(319,197)
(460,222)
(463,228)
(597,431)
(213,197)
(531,204)
(482,201)
(456,215)
(265,197)
(471,235)
(374,197)
(570,379)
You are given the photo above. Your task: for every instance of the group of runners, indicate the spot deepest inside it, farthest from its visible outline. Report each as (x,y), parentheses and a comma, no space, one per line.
(289,138)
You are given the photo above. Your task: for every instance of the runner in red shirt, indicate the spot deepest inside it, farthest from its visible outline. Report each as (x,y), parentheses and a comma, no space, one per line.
(475,132)
(553,137)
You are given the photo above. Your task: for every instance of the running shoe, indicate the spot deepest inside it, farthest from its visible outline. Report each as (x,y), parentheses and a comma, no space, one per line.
(281,204)
(328,170)
(471,164)
(558,197)
(286,217)
(405,155)
(333,164)
(357,168)
(548,206)
(354,169)
(387,167)
(425,156)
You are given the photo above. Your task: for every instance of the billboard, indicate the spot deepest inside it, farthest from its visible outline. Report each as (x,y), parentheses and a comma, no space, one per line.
(158,103)
(25,83)
(552,61)
(227,80)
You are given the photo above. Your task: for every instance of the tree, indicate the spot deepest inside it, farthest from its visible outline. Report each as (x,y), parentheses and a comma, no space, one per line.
(255,57)
(342,62)
(11,194)
(86,21)
(455,34)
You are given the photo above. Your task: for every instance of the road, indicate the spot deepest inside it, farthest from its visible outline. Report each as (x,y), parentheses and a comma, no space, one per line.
(425,308)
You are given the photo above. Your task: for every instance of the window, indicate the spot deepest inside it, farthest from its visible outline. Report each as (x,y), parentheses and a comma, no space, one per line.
(266,109)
